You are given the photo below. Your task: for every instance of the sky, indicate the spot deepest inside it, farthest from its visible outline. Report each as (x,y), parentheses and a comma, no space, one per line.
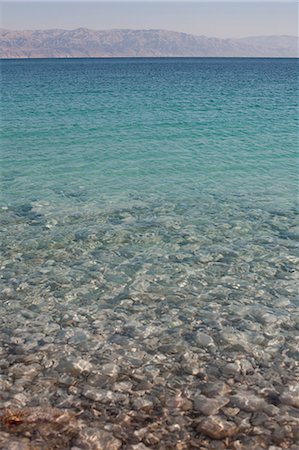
(211,18)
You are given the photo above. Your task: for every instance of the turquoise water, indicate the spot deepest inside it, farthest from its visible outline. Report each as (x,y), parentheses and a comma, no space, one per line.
(143,202)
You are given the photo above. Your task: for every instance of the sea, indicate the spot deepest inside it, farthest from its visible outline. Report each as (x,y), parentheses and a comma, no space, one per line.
(149,234)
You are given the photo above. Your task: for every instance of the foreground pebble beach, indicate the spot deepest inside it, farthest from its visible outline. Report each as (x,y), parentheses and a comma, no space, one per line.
(150,256)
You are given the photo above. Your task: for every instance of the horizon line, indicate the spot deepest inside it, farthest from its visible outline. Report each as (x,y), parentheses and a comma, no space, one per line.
(148,57)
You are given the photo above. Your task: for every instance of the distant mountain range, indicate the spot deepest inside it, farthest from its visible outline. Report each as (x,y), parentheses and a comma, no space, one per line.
(83,42)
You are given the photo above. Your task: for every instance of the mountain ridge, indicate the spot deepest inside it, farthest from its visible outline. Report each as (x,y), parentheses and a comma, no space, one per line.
(84,42)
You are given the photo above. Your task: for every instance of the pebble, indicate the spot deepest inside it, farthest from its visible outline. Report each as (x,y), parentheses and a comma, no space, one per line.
(246,367)
(208,406)
(232,368)
(79,337)
(100,395)
(110,369)
(139,446)
(248,402)
(204,340)
(143,404)
(230,412)
(96,439)
(291,396)
(180,403)
(215,389)
(123,386)
(217,428)
(20,399)
(75,366)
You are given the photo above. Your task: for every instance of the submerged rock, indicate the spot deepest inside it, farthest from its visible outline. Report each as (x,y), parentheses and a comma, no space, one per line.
(232,368)
(215,389)
(204,340)
(110,369)
(209,406)
(143,404)
(75,366)
(139,446)
(291,396)
(96,439)
(51,425)
(248,402)
(217,428)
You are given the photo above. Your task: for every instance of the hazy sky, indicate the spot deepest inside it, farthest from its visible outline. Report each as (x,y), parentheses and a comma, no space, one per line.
(213,18)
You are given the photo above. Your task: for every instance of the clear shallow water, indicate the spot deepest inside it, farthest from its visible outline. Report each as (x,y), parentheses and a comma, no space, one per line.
(148,217)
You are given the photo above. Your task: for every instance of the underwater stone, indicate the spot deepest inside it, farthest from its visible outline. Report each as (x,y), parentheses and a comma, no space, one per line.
(98,395)
(20,399)
(246,367)
(291,396)
(75,366)
(139,446)
(204,340)
(215,389)
(110,369)
(105,396)
(95,439)
(143,403)
(180,403)
(232,368)
(230,412)
(217,428)
(209,406)
(123,386)
(248,402)
(22,370)
(79,337)
(14,444)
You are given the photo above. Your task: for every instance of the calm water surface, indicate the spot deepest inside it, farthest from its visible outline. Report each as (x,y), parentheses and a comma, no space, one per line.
(149,248)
